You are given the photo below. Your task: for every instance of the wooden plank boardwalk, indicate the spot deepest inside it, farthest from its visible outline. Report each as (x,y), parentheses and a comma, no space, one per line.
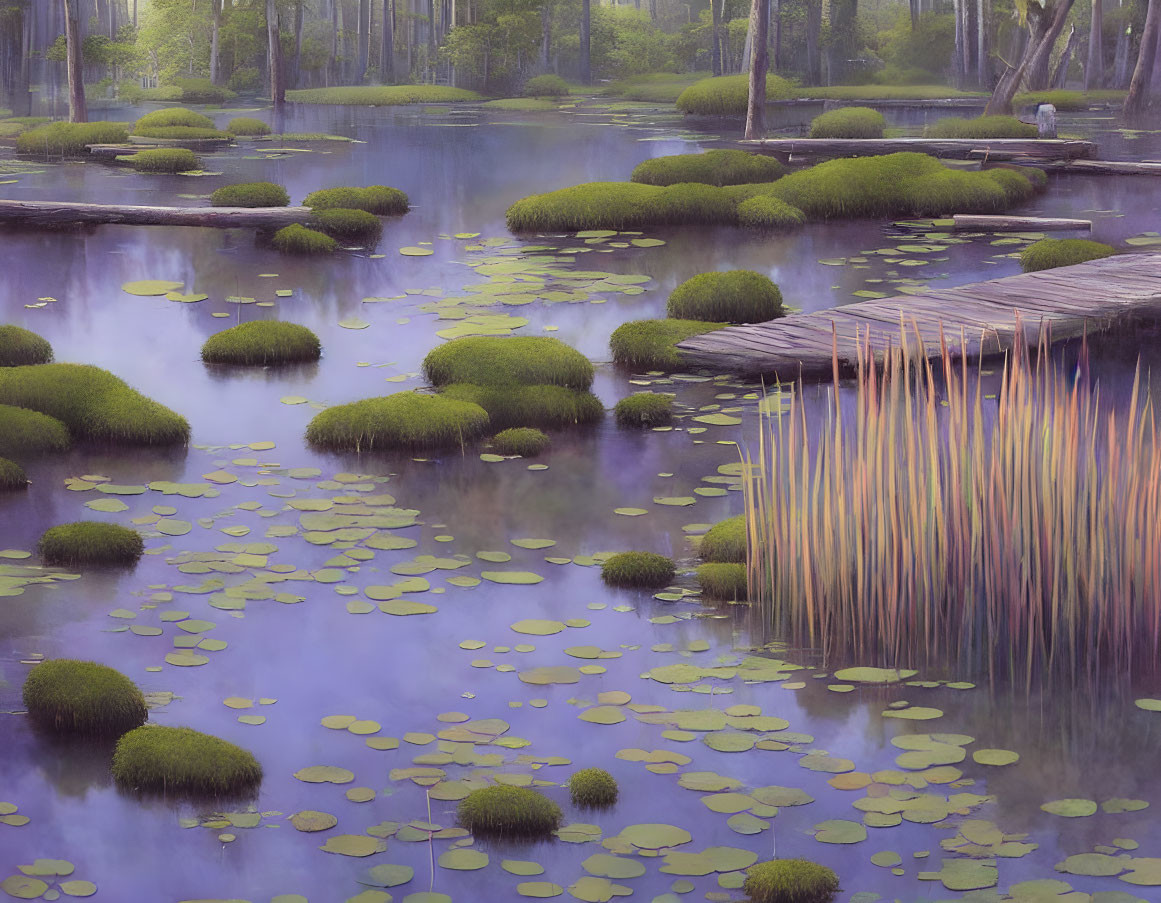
(978,319)
(951,148)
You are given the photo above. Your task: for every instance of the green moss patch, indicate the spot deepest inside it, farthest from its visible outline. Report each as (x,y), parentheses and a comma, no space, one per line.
(725,541)
(405,420)
(180,133)
(1049,253)
(297,239)
(643,570)
(715,167)
(848,122)
(177,759)
(651,344)
(20,346)
(513,811)
(522,105)
(655,87)
(25,433)
(12,476)
(1070,101)
(546,86)
(246,125)
(250,194)
(70,139)
(543,406)
(719,580)
(622,206)
(74,697)
(381,200)
(348,225)
(766,212)
(790,881)
(593,787)
(644,410)
(980,127)
(523,441)
(262,343)
(506,361)
(727,95)
(90,543)
(164,159)
(884,92)
(734,296)
(172,116)
(383,96)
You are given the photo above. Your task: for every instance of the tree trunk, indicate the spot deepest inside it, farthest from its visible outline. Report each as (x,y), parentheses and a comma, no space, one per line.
(983,21)
(1037,71)
(215,40)
(715,38)
(1060,76)
(274,55)
(759,64)
(1138,97)
(431,36)
(1155,82)
(776,34)
(586,74)
(387,50)
(1094,69)
(653,11)
(296,63)
(545,36)
(75,64)
(914,4)
(813,36)
(333,67)
(957,68)
(1121,55)
(364,38)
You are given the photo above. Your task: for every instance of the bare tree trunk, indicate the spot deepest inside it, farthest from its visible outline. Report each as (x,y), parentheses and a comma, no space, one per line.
(759,64)
(431,36)
(653,11)
(1155,81)
(134,14)
(715,38)
(215,39)
(364,38)
(545,35)
(776,34)
(1094,69)
(983,20)
(586,73)
(813,36)
(333,66)
(957,71)
(914,4)
(1138,97)
(296,63)
(1121,54)
(1060,76)
(1037,71)
(387,50)
(77,109)
(274,54)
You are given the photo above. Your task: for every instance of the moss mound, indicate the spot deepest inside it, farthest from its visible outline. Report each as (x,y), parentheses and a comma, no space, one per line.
(651,344)
(507,361)
(522,104)
(70,139)
(1070,101)
(250,194)
(348,225)
(727,95)
(405,420)
(766,212)
(725,541)
(546,407)
(383,96)
(164,159)
(94,404)
(644,410)
(89,542)
(73,697)
(848,122)
(246,125)
(637,569)
(718,580)
(262,343)
(621,205)
(172,116)
(516,811)
(523,441)
(546,86)
(296,239)
(12,476)
(790,881)
(715,167)
(378,199)
(25,433)
(177,759)
(19,347)
(735,296)
(592,787)
(980,127)
(1062,252)
(180,133)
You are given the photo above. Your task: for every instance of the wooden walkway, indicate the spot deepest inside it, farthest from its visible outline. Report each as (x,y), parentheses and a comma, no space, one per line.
(991,317)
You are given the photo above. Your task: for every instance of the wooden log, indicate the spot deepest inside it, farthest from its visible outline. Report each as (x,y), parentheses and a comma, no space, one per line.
(957,148)
(1104,167)
(67,213)
(964,222)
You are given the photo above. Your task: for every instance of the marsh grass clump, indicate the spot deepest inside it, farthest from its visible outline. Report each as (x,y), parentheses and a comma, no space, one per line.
(508,361)
(734,296)
(514,811)
(622,205)
(593,787)
(383,95)
(766,212)
(848,122)
(181,760)
(172,116)
(405,420)
(297,239)
(70,139)
(726,95)
(348,225)
(523,441)
(165,160)
(522,104)
(250,194)
(884,92)
(644,410)
(725,541)
(980,127)
(546,86)
(262,343)
(198,90)
(25,433)
(715,167)
(89,542)
(66,696)
(247,126)
(723,581)
(543,406)
(790,881)
(1049,253)
(643,570)
(651,344)
(1069,101)
(381,200)
(12,476)
(180,133)
(19,347)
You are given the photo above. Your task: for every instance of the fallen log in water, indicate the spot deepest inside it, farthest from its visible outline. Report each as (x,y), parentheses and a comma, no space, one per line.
(1102,167)
(67,213)
(974,223)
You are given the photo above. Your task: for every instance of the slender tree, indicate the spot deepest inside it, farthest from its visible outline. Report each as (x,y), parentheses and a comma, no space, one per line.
(215,39)
(75,63)
(813,38)
(586,72)
(1094,70)
(715,37)
(1138,97)
(274,56)
(387,50)
(364,37)
(759,64)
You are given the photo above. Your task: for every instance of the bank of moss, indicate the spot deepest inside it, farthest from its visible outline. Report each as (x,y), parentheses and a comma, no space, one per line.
(980,127)
(180,133)
(848,122)
(715,167)
(522,104)
(381,200)
(89,542)
(546,86)
(790,881)
(511,811)
(247,126)
(1049,253)
(12,476)
(262,343)
(348,225)
(523,441)
(644,410)
(383,95)
(164,160)
(1070,101)
(173,116)
(727,95)
(644,570)
(593,787)
(28,434)
(70,139)
(508,360)
(298,239)
(733,296)
(250,194)
(622,206)
(722,581)
(725,541)
(181,760)
(67,696)
(651,344)
(655,87)
(766,212)
(405,420)
(884,92)
(21,346)
(540,406)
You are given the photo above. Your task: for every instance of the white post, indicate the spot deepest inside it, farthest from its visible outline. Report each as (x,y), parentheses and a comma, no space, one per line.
(1046,121)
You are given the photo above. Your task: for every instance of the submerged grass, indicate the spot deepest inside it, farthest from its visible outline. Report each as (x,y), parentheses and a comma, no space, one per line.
(25,433)
(715,167)
(733,296)
(76,697)
(541,406)
(89,542)
(382,95)
(848,122)
(643,570)
(884,92)
(262,343)
(522,104)
(405,420)
(980,127)
(508,360)
(21,346)
(181,760)
(1062,252)
(12,476)
(515,811)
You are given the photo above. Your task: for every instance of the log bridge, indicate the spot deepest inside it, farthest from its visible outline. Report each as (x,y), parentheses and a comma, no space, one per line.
(991,317)
(68,213)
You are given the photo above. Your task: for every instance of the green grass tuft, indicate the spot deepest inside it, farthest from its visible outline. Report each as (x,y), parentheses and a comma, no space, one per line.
(297,239)
(727,95)
(165,159)
(74,697)
(523,441)
(262,343)
(70,139)
(508,361)
(644,570)
(593,787)
(180,133)
(522,105)
(734,296)
(649,344)
(12,476)
(848,122)
(725,541)
(621,205)
(715,167)
(173,116)
(19,347)
(405,420)
(546,86)
(765,212)
(348,225)
(542,406)
(644,410)
(790,881)
(719,580)
(89,542)
(181,760)
(656,87)
(246,125)
(378,199)
(980,127)
(503,810)
(1049,253)
(25,433)
(250,194)
(383,96)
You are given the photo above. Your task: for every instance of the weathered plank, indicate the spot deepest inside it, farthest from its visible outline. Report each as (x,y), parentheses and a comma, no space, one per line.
(965,222)
(952,148)
(68,213)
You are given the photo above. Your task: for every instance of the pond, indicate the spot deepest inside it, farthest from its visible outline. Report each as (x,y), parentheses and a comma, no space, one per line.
(248,508)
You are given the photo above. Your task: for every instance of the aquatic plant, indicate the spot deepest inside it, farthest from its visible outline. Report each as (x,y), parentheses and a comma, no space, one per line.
(378,199)
(90,542)
(790,881)
(173,116)
(67,696)
(621,205)
(637,569)
(12,476)
(733,296)
(508,360)
(261,343)
(1069,101)
(726,95)
(725,541)
(297,239)
(247,125)
(250,194)
(523,441)
(94,404)
(180,133)
(543,406)
(181,760)
(348,225)
(651,344)
(405,420)
(22,346)
(164,159)
(70,139)
(644,410)
(383,95)
(25,433)
(980,127)
(514,811)
(765,212)
(715,167)
(1062,252)
(592,787)
(548,85)
(848,122)
(721,580)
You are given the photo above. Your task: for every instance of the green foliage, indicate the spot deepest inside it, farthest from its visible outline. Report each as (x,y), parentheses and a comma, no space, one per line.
(515,811)
(543,406)
(884,92)
(725,541)
(655,87)
(508,360)
(90,542)
(734,296)
(592,787)
(1069,101)
(165,159)
(348,225)
(715,167)
(405,420)
(649,344)
(246,125)
(70,139)
(245,78)
(915,54)
(848,122)
(722,581)
(180,133)
(262,343)
(644,570)
(12,476)
(181,760)
(74,697)
(15,126)
(644,410)
(378,199)
(297,239)
(546,86)
(523,441)
(200,90)
(21,346)
(94,404)
(250,194)
(520,105)
(790,881)
(25,433)
(383,95)
(765,212)
(1049,253)
(727,95)
(980,127)
(172,116)
(621,205)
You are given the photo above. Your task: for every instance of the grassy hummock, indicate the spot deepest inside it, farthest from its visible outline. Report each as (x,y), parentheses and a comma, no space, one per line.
(517,811)
(172,116)
(382,95)
(70,139)
(766,212)
(980,127)
(12,476)
(178,759)
(650,344)
(543,406)
(90,542)
(522,441)
(246,125)
(725,541)
(508,361)
(715,167)
(262,343)
(637,569)
(848,122)
(727,95)
(522,104)
(644,410)
(180,133)
(297,239)
(348,225)
(94,404)
(405,420)
(790,881)
(593,787)
(378,199)
(164,159)
(74,697)
(719,580)
(1049,253)
(1070,101)
(734,296)
(621,206)
(250,194)
(25,433)
(546,86)
(19,347)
